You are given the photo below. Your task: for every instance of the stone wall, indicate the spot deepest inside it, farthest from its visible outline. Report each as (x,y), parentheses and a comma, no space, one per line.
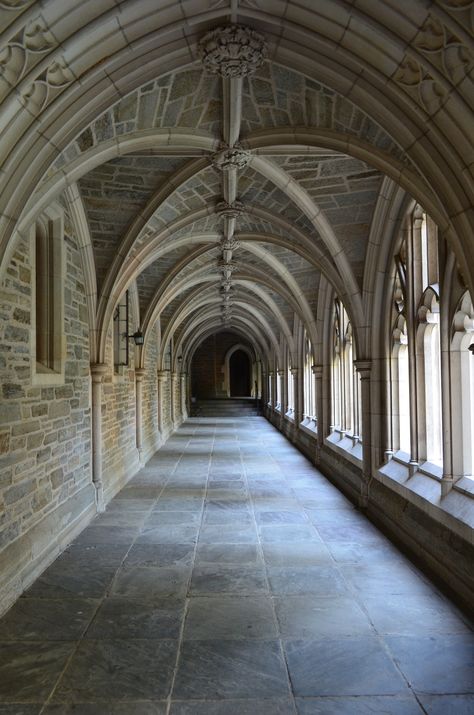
(151,436)
(207,369)
(45,438)
(120,459)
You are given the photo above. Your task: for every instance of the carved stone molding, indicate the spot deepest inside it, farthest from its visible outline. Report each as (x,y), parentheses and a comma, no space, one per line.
(444,49)
(227,159)
(24,51)
(420,85)
(226,210)
(232,51)
(50,83)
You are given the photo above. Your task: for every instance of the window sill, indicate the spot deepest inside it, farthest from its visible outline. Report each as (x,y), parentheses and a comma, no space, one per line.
(423,489)
(42,377)
(309,426)
(344,445)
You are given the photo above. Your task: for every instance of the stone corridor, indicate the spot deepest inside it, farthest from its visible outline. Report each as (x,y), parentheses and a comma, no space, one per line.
(231,578)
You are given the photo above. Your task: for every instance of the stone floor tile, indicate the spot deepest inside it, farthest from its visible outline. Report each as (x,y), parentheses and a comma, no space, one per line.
(447,704)
(227,669)
(287,533)
(168,534)
(374,705)
(282,517)
(298,580)
(344,666)
(228,579)
(296,553)
(320,617)
(406,614)
(66,580)
(383,580)
(230,618)
(280,706)
(118,670)
(29,670)
(243,554)
(107,535)
(353,552)
(43,619)
(175,503)
(227,534)
(132,519)
(128,708)
(159,555)
(148,583)
(438,664)
(124,618)
(173,518)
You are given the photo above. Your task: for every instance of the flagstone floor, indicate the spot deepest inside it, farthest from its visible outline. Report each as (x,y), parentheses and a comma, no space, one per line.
(231,578)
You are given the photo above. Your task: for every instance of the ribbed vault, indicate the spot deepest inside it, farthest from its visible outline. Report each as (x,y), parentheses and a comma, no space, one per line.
(234,195)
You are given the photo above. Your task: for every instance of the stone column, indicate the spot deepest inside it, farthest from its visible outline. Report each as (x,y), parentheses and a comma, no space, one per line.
(297,406)
(139,375)
(98,370)
(281,377)
(174,406)
(364,367)
(162,377)
(184,411)
(317,371)
(414,263)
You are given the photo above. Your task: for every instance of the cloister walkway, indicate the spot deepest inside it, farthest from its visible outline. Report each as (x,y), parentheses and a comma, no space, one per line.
(231,578)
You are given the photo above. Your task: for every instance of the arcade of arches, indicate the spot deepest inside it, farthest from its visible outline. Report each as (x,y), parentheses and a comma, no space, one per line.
(221,198)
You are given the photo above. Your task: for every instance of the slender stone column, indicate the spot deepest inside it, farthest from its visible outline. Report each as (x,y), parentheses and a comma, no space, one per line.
(139,375)
(184,412)
(297,406)
(417,442)
(364,367)
(281,377)
(98,370)
(174,406)
(317,371)
(162,377)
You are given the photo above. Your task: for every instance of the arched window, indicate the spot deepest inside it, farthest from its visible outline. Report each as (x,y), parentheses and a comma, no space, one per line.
(415,366)
(290,387)
(345,393)
(309,407)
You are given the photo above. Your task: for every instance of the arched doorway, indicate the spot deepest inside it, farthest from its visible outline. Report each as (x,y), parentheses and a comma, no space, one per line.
(239,374)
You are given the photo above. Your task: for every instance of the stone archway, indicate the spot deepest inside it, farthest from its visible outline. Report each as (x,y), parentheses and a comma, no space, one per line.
(239,374)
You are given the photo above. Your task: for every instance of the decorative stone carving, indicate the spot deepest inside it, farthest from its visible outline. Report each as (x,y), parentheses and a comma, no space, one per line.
(226,286)
(420,85)
(226,210)
(17,58)
(232,51)
(227,159)
(227,268)
(15,4)
(50,83)
(444,49)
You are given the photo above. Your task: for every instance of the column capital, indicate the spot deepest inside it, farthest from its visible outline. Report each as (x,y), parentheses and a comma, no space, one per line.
(280,372)
(162,375)
(174,376)
(139,373)
(271,373)
(98,371)
(183,375)
(317,370)
(294,371)
(364,368)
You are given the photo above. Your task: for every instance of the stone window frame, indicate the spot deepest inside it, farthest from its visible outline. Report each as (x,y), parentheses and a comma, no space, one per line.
(51,224)
(462,392)
(345,390)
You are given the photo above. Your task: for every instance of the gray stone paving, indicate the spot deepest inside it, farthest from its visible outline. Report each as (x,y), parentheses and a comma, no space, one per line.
(231,578)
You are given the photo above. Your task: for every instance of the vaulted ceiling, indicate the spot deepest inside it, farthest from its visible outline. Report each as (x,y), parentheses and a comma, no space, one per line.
(228,182)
